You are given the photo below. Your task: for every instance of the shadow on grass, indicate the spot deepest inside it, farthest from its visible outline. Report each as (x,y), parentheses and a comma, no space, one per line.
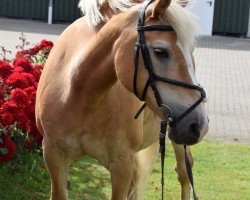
(89,180)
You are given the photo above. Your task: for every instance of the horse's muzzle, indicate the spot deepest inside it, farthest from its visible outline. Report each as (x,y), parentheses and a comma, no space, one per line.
(188,133)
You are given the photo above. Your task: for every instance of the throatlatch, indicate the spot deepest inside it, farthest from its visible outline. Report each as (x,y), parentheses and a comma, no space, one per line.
(141,47)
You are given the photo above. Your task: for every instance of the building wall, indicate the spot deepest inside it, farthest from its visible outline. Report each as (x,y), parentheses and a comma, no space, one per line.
(231,17)
(64,10)
(26,9)
(204,10)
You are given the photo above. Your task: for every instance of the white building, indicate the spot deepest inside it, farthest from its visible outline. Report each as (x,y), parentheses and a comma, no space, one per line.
(223,16)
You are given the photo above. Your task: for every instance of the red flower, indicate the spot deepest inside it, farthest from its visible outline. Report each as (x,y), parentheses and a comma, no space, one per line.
(10,146)
(19,54)
(19,96)
(18,80)
(31,79)
(7,119)
(29,144)
(34,50)
(30,91)
(46,44)
(2,90)
(23,63)
(22,120)
(9,107)
(26,106)
(37,71)
(28,53)
(7,113)
(30,109)
(18,70)
(5,69)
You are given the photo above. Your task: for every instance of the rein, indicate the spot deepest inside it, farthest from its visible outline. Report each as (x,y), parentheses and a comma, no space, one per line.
(171,121)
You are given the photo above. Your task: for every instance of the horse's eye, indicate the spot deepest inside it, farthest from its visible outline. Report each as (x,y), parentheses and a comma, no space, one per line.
(161,53)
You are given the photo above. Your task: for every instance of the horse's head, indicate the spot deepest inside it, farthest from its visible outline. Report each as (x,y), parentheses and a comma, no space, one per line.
(163,72)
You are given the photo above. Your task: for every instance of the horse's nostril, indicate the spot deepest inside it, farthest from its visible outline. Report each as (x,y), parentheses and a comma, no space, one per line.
(192,134)
(186,134)
(194,130)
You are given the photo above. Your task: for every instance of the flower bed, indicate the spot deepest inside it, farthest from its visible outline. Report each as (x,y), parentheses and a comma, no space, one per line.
(18,84)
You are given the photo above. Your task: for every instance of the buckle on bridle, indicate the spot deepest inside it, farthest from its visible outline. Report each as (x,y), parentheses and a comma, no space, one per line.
(170,116)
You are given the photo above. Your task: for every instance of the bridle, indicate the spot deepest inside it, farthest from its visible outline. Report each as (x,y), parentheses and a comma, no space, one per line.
(172,121)
(141,46)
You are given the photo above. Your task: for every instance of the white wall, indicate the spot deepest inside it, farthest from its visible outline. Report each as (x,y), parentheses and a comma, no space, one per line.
(204,10)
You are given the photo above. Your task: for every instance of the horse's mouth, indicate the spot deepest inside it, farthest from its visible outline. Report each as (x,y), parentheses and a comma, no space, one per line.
(172,137)
(178,138)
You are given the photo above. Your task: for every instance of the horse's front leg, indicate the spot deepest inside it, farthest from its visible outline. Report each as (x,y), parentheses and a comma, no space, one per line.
(181,170)
(58,168)
(121,168)
(145,160)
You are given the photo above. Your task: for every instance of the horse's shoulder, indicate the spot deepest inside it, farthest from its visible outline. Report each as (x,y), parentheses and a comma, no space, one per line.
(78,31)
(72,40)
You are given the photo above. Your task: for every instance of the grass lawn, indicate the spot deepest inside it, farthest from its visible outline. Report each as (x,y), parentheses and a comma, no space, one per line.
(221,172)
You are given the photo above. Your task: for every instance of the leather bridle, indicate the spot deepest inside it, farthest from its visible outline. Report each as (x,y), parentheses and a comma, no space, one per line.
(172,121)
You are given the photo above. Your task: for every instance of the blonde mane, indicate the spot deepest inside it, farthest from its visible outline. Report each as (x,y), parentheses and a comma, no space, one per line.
(182,20)
(184,23)
(91,9)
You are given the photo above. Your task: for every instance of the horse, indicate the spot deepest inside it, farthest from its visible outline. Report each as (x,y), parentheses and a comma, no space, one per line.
(88,93)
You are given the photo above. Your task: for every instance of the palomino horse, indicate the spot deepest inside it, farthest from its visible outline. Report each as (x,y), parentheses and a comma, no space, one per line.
(86,96)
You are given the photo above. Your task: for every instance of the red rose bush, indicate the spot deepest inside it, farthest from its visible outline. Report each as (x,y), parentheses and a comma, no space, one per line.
(18,84)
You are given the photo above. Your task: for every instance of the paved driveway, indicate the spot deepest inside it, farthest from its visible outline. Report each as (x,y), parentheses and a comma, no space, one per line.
(35,31)
(223,68)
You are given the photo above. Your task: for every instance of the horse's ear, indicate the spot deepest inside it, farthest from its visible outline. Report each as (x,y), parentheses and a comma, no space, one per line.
(160,7)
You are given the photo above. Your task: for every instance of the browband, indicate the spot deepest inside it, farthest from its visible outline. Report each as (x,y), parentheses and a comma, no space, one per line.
(155,28)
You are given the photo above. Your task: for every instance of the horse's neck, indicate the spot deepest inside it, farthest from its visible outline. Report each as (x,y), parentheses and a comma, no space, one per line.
(95,73)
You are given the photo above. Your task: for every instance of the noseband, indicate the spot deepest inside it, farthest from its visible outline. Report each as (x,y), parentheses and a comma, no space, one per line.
(172,121)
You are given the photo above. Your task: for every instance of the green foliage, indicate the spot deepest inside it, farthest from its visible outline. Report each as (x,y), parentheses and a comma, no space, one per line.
(40,58)
(221,172)
(4,151)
